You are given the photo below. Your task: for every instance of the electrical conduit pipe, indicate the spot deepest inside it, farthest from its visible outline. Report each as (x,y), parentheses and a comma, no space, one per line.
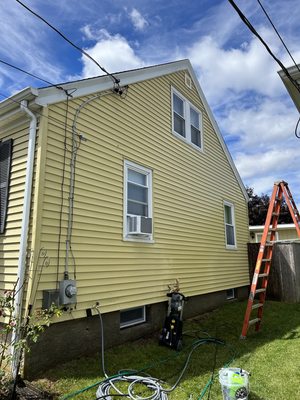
(24,232)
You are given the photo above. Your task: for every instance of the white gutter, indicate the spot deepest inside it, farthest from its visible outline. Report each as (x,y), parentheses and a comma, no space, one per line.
(25,226)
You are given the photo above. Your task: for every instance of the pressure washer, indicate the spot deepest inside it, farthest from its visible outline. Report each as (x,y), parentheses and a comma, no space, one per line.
(171,334)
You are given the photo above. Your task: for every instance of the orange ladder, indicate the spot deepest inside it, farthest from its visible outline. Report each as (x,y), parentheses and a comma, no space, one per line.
(264,258)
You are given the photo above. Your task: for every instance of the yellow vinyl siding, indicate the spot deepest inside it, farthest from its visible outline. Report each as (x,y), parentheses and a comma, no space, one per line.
(189,187)
(10,239)
(287,234)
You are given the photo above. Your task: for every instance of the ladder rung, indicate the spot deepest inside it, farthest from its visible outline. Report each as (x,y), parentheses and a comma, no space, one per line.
(253,321)
(275,214)
(257,305)
(270,244)
(266,259)
(260,290)
(273,229)
(263,275)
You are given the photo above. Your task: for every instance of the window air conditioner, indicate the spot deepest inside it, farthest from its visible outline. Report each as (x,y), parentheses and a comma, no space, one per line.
(138,225)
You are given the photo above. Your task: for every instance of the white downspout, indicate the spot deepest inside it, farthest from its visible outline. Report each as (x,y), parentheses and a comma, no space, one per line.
(24,229)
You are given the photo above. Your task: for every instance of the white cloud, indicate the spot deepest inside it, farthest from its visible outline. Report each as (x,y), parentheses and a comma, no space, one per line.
(267,123)
(113,52)
(223,71)
(139,22)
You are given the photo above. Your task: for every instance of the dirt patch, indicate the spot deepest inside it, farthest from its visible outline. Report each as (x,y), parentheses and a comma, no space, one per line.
(25,391)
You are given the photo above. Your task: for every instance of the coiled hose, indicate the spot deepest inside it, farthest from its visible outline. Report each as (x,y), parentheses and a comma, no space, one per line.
(158,392)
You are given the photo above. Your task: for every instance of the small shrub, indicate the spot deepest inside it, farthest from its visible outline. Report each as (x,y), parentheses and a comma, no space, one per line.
(28,330)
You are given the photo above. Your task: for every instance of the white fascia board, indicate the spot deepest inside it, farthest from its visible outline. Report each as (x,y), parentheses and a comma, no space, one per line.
(103,83)
(10,110)
(254,228)
(292,90)
(13,101)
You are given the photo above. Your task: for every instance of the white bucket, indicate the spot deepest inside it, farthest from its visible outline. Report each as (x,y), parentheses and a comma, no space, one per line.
(235,383)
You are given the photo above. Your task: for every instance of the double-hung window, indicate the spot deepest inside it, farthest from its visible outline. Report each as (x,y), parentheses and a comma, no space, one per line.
(137,202)
(187,120)
(230,236)
(5,166)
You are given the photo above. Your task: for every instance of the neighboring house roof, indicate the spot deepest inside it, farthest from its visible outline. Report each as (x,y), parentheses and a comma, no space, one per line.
(84,87)
(293,92)
(254,228)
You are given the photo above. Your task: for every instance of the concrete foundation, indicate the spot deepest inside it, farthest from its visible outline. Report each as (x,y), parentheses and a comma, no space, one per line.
(65,341)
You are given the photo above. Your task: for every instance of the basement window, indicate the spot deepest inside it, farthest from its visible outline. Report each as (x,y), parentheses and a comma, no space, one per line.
(230,294)
(132,316)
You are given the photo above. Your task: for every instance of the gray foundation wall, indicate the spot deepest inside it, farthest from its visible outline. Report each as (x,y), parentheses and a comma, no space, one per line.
(65,341)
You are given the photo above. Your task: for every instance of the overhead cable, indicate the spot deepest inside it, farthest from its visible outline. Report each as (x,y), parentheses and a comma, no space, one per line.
(254,31)
(114,79)
(278,34)
(297,134)
(32,75)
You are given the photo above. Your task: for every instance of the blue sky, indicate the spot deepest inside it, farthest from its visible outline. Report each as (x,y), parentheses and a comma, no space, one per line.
(251,105)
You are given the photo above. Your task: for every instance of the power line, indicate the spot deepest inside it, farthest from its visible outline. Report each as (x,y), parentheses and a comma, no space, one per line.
(254,31)
(278,34)
(115,80)
(32,75)
(54,120)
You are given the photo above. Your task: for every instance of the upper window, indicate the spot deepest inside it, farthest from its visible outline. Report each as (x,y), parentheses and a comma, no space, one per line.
(5,165)
(229,225)
(137,202)
(187,120)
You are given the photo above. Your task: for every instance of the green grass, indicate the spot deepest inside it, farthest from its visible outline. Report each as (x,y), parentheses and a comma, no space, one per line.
(271,355)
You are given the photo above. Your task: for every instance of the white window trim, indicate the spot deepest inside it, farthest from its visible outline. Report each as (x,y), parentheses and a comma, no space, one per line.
(148,172)
(258,237)
(136,321)
(187,105)
(230,297)
(231,205)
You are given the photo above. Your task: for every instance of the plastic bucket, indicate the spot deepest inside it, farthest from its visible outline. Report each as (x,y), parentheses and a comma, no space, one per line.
(234,383)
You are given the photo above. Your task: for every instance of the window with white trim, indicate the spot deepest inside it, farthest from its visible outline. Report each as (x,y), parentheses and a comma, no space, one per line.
(230,294)
(186,120)
(137,202)
(229,220)
(132,316)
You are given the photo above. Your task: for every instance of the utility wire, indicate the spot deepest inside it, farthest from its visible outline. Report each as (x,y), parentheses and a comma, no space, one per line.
(296,129)
(57,122)
(32,75)
(278,34)
(114,79)
(254,31)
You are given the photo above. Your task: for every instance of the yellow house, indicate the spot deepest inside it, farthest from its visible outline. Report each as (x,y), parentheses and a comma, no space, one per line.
(284,232)
(110,191)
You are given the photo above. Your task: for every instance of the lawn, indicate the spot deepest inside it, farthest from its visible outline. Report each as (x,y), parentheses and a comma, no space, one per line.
(272,357)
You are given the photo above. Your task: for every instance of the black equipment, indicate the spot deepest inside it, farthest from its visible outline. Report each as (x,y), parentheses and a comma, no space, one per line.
(171,334)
